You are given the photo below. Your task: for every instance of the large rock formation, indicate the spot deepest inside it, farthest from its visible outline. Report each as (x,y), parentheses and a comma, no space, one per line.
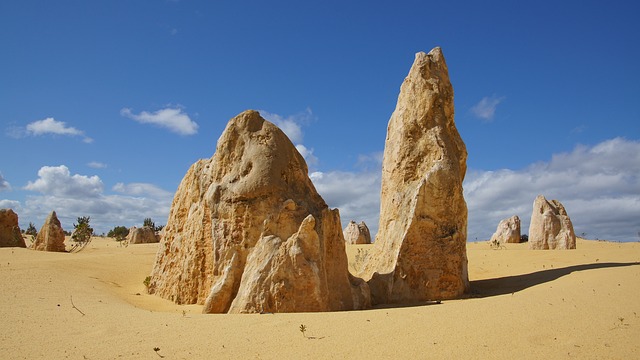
(142,235)
(248,232)
(10,234)
(51,236)
(550,226)
(508,231)
(420,249)
(357,233)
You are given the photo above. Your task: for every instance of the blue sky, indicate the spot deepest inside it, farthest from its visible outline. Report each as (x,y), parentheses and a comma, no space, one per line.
(104,105)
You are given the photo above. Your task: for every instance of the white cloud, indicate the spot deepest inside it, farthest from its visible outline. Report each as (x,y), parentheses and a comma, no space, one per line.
(52,126)
(290,125)
(307,154)
(58,181)
(96,165)
(486,108)
(4,184)
(356,195)
(139,189)
(371,161)
(10,204)
(173,119)
(76,195)
(599,187)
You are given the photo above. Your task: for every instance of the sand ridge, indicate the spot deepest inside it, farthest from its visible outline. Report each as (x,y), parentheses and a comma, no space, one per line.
(580,303)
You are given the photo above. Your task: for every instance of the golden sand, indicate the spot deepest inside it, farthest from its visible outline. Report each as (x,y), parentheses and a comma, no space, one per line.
(582,304)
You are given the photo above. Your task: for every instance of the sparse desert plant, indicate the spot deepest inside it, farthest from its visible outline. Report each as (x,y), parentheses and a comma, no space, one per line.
(303,329)
(83,231)
(82,234)
(496,245)
(524,238)
(147,282)
(150,223)
(119,233)
(31,230)
(362,256)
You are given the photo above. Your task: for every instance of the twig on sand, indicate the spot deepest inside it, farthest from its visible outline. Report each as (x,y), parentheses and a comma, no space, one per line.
(156,349)
(74,306)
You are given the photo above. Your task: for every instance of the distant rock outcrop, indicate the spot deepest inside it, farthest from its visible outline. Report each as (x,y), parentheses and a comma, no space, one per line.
(10,234)
(508,231)
(357,233)
(550,227)
(248,232)
(142,235)
(51,236)
(420,249)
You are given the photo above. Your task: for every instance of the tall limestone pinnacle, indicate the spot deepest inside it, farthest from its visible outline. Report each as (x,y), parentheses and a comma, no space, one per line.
(248,232)
(420,249)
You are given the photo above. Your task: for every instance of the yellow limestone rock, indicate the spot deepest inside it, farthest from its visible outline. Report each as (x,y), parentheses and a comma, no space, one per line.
(51,236)
(508,231)
(248,232)
(10,234)
(550,226)
(420,249)
(357,233)
(142,235)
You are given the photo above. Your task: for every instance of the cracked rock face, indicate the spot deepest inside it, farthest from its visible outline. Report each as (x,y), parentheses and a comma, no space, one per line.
(10,234)
(508,231)
(248,232)
(51,236)
(550,226)
(357,233)
(420,248)
(142,235)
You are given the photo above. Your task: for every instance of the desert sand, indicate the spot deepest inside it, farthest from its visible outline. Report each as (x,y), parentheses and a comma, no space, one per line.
(525,304)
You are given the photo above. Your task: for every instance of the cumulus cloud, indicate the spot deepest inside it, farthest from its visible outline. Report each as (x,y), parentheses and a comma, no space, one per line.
(370,161)
(4,184)
(52,126)
(10,204)
(77,195)
(173,119)
(140,189)
(96,165)
(599,186)
(486,108)
(307,154)
(292,127)
(355,194)
(58,181)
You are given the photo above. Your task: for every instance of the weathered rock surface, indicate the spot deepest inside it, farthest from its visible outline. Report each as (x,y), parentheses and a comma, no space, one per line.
(10,234)
(248,232)
(420,249)
(142,235)
(508,231)
(550,226)
(357,233)
(51,235)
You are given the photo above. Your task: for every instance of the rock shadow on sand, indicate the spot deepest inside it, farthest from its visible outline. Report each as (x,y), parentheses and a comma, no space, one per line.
(512,284)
